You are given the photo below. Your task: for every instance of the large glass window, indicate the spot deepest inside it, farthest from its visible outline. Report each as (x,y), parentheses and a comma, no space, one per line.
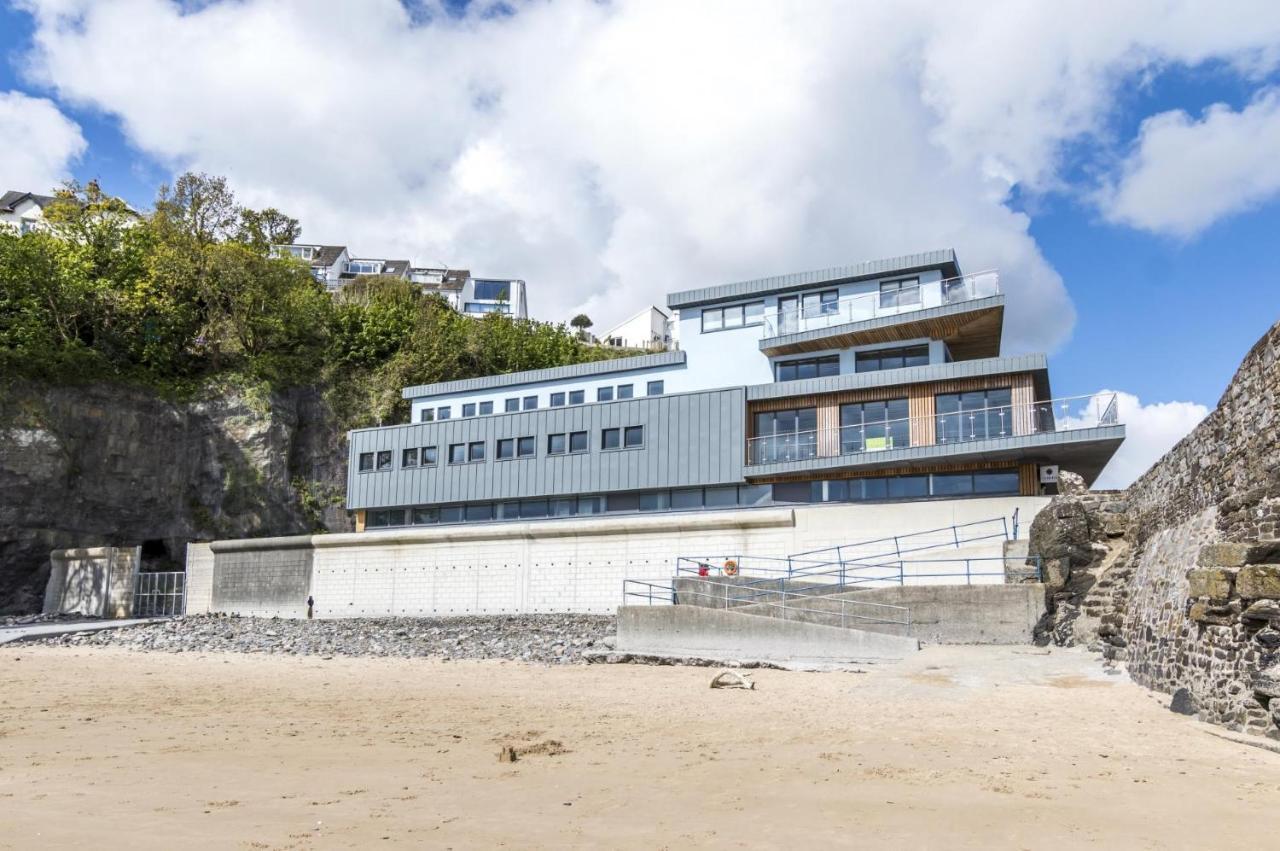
(824,303)
(891,358)
(789,435)
(975,415)
(493,290)
(874,426)
(733,316)
(904,293)
(822,367)
(482,307)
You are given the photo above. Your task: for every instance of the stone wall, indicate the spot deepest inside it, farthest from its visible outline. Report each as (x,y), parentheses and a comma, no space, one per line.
(1178,575)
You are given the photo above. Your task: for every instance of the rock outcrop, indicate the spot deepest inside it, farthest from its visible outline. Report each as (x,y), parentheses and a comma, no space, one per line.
(104,465)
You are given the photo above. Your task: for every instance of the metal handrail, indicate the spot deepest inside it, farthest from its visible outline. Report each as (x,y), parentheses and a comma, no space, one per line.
(873,305)
(991,423)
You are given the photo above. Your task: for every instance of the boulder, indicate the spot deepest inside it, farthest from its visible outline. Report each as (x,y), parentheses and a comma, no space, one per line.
(1211,615)
(1212,582)
(1257,581)
(1267,683)
(1262,610)
(1071,484)
(1062,531)
(1183,703)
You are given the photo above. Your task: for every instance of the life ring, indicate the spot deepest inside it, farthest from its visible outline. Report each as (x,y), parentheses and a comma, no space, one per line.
(730,567)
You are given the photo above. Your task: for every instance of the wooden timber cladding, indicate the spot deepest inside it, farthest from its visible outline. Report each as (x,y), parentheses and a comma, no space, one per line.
(1028,478)
(920,405)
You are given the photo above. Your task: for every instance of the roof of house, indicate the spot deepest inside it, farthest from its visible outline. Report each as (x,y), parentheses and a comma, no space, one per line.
(646,311)
(944,259)
(327,255)
(11,199)
(555,373)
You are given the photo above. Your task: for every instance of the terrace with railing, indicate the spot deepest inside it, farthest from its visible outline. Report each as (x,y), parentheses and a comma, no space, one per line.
(813,313)
(940,429)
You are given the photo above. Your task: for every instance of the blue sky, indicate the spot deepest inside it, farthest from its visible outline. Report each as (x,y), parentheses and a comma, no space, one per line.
(609,153)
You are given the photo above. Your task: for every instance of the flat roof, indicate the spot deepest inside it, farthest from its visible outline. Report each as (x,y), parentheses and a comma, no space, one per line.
(537,376)
(944,259)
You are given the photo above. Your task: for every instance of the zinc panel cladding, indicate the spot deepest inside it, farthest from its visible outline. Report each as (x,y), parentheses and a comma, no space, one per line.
(535,376)
(905,375)
(690,440)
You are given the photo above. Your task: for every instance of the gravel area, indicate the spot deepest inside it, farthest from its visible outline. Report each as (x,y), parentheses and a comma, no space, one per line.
(548,639)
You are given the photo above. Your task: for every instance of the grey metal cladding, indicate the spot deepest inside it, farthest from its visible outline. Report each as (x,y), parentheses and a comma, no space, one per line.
(922,315)
(906,375)
(557,373)
(944,259)
(690,439)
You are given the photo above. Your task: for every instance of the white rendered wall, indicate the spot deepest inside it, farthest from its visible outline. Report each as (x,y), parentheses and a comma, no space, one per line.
(199,578)
(578,565)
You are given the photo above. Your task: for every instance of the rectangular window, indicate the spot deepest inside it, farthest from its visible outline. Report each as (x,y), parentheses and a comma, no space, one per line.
(525,447)
(633,437)
(611,438)
(654,501)
(997,481)
(425,516)
(506,448)
(428,456)
(952,484)
(442,413)
(732,316)
(790,435)
(563,507)
(475,451)
(386,517)
(824,303)
(493,290)
(891,358)
(908,487)
(555,444)
(511,405)
(366,462)
(530,403)
(794,370)
(578,441)
(874,426)
(588,505)
(457,453)
(975,415)
(469,409)
(792,492)
(427,415)
(622,502)
(409,457)
(479,513)
(533,509)
(721,497)
(486,408)
(654,388)
(557,400)
(754,312)
(604,394)
(904,293)
(481,307)
(384,460)
(577,397)
(712,319)
(686,499)
(451,514)
(626,391)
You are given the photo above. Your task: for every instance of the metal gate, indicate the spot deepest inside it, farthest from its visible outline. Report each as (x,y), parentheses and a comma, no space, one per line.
(159,594)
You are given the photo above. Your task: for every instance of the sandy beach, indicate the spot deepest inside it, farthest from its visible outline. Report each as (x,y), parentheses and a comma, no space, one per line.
(956,748)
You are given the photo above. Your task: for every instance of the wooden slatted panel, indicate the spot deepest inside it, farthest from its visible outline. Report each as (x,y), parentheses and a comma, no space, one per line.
(1028,480)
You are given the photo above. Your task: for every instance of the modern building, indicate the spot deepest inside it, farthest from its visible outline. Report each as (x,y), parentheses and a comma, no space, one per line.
(482,296)
(23,212)
(649,329)
(879,381)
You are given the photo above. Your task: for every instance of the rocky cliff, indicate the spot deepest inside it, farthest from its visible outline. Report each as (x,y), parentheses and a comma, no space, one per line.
(108,465)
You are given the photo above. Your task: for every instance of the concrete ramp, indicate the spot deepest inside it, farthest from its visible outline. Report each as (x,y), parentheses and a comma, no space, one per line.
(695,630)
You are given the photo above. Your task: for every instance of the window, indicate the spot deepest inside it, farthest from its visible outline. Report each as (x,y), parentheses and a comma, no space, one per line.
(530,403)
(996,481)
(626,391)
(822,367)
(469,409)
(525,447)
(733,316)
(789,435)
(384,460)
(683,499)
(557,400)
(792,492)
(577,397)
(427,415)
(409,457)
(479,512)
(555,444)
(578,441)
(824,303)
(506,448)
(443,413)
(900,293)
(486,408)
(385,517)
(654,388)
(721,497)
(457,453)
(891,358)
(532,509)
(493,290)
(475,451)
(611,438)
(874,426)
(425,516)
(622,502)
(428,457)
(654,501)
(366,462)
(451,514)
(604,394)
(511,405)
(480,307)
(976,415)
(633,436)
(364,267)
(588,505)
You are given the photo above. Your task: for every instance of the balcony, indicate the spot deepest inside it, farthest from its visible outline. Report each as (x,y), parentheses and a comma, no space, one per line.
(1009,432)
(967,312)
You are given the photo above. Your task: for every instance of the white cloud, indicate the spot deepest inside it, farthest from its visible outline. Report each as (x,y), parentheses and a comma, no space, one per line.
(38,143)
(609,153)
(1150,432)
(1183,175)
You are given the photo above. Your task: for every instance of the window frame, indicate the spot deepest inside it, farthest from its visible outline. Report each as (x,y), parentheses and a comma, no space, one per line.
(627,432)
(604,394)
(532,444)
(895,288)
(435,456)
(585,443)
(661,385)
(486,408)
(746,314)
(511,406)
(508,443)
(468,410)
(462,449)
(405,463)
(625,391)
(444,412)
(577,397)
(557,400)
(529,403)
(370,467)
(616,431)
(563,441)
(427,415)
(390,460)
(472,451)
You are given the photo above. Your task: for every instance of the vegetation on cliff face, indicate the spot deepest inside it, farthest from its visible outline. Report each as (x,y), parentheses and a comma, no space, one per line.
(189,296)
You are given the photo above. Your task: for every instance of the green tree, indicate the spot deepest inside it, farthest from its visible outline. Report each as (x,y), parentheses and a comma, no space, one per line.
(265,228)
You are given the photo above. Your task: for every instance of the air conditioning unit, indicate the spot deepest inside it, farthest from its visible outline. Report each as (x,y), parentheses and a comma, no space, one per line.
(1049,474)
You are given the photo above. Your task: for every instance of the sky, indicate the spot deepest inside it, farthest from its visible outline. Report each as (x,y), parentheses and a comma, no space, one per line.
(1115,162)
